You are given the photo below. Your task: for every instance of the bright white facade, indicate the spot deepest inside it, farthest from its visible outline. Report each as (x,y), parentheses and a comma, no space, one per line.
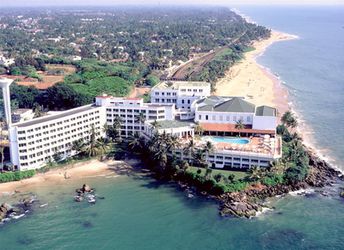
(129,110)
(34,143)
(228,111)
(182,94)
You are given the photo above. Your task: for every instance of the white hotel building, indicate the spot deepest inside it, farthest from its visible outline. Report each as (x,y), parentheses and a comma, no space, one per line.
(176,106)
(129,110)
(182,94)
(34,143)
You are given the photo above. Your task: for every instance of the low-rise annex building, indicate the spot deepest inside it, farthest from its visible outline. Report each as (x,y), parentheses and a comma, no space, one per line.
(220,116)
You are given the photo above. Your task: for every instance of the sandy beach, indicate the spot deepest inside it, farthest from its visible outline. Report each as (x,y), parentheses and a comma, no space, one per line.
(254,82)
(75,171)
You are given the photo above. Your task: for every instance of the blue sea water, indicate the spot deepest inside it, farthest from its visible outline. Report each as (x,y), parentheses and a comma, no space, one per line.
(139,213)
(312,68)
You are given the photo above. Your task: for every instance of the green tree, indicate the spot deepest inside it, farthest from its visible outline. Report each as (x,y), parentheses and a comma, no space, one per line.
(288,119)
(239,126)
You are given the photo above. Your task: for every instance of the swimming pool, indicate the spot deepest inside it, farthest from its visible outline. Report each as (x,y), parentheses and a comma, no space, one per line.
(233,140)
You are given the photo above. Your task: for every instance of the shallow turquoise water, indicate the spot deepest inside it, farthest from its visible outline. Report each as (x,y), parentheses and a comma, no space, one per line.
(141,214)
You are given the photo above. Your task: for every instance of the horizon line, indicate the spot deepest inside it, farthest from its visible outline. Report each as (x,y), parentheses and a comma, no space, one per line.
(176,5)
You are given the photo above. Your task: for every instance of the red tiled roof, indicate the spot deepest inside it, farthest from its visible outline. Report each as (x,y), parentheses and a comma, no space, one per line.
(226,127)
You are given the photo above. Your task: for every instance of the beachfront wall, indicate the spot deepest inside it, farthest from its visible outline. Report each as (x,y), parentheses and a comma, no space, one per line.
(264,122)
(35,143)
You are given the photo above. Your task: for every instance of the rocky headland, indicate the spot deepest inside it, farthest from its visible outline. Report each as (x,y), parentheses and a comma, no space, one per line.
(248,203)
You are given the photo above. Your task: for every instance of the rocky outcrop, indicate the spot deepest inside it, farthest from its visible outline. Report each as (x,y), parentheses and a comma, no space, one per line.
(85,193)
(84,189)
(248,202)
(321,174)
(17,210)
(5,210)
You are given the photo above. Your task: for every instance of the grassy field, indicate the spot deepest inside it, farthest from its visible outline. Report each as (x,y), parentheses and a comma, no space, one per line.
(238,174)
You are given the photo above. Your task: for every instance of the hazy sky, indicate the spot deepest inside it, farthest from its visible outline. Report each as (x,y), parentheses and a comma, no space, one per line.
(157,2)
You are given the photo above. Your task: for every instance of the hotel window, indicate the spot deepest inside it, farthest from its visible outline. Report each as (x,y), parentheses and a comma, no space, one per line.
(214,118)
(234,118)
(206,117)
(248,119)
(188,101)
(228,118)
(200,117)
(182,101)
(241,118)
(221,118)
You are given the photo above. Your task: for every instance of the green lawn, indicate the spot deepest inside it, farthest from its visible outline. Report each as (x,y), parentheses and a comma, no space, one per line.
(238,174)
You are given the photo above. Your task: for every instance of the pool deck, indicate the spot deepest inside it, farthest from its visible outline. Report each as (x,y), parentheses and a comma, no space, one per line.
(257,145)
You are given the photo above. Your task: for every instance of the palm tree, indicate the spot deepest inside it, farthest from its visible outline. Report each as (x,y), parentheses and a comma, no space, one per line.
(208,148)
(135,141)
(190,148)
(256,173)
(141,119)
(199,158)
(117,123)
(198,129)
(289,119)
(173,142)
(78,146)
(239,126)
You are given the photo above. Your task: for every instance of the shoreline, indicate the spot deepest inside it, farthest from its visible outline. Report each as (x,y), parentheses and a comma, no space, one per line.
(283,102)
(253,81)
(60,175)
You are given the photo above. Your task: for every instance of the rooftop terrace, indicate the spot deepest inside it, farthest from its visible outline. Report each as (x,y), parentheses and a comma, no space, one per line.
(48,118)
